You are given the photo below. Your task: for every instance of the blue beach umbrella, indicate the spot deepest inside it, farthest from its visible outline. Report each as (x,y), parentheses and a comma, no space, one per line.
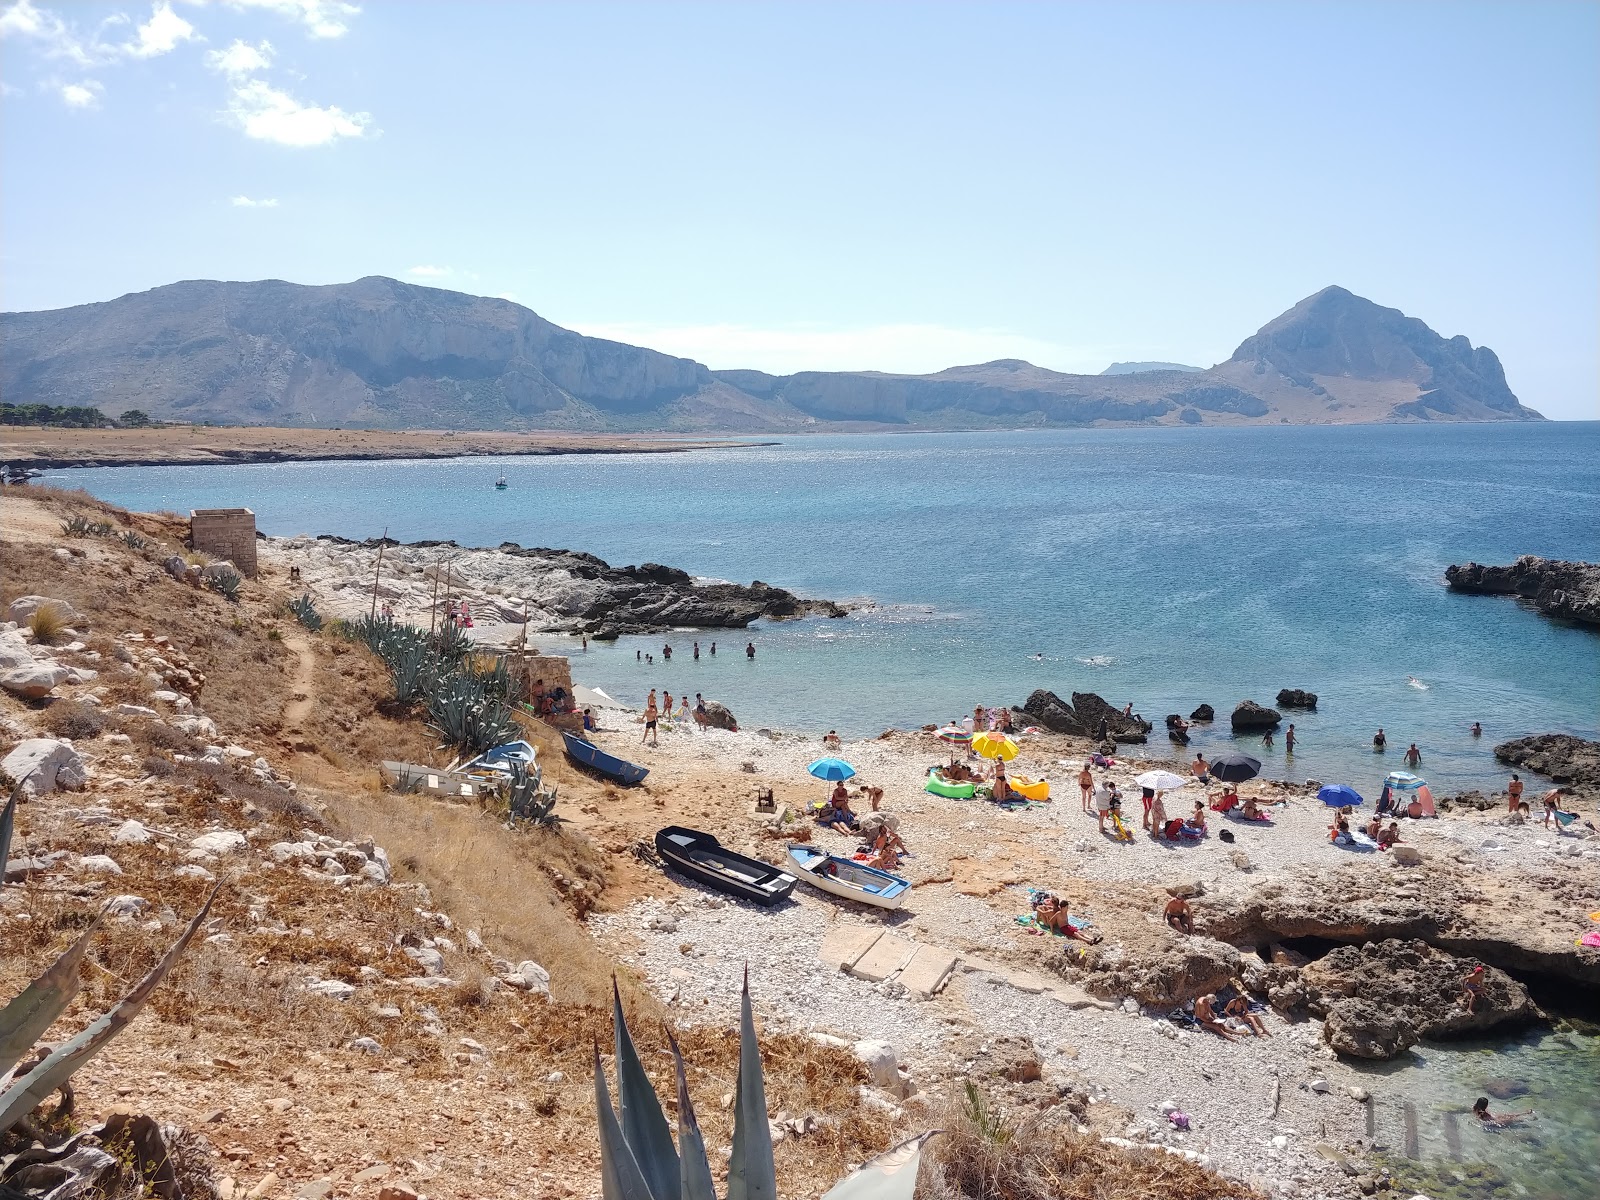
(1338,795)
(831,769)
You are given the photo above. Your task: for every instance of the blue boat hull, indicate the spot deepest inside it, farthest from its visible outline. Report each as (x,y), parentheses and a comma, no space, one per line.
(609,765)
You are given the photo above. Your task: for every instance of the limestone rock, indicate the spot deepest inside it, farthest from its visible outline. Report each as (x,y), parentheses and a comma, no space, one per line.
(1083,716)
(44,765)
(21,610)
(1361,1029)
(34,682)
(221,841)
(1570,590)
(1203,713)
(1250,717)
(879,1059)
(1296,698)
(1566,759)
(718,716)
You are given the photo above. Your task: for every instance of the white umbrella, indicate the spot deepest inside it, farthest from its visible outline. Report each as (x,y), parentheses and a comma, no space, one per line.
(1160,781)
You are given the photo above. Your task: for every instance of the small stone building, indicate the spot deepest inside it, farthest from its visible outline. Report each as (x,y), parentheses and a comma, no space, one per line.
(228,533)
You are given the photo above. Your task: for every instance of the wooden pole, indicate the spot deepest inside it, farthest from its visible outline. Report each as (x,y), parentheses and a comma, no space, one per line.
(377,571)
(433,612)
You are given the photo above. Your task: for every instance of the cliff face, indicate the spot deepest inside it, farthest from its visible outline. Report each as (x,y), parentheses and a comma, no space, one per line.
(386,354)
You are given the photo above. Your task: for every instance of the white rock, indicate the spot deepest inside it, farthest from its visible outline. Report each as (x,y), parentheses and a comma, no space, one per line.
(196,726)
(194,871)
(22,609)
(334,989)
(166,696)
(375,872)
(429,959)
(286,851)
(232,751)
(880,1062)
(126,906)
(555,1077)
(134,710)
(425,982)
(35,682)
(1130,1006)
(44,765)
(1281,1142)
(14,651)
(131,833)
(1319,1085)
(474,940)
(102,864)
(220,841)
(365,1045)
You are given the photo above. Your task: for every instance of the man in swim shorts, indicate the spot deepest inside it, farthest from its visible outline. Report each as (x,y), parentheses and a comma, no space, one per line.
(651,715)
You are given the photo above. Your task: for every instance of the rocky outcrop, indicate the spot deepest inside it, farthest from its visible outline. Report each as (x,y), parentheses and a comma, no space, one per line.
(1083,716)
(1250,717)
(1383,997)
(1296,698)
(1570,590)
(1176,971)
(1203,713)
(719,716)
(1564,758)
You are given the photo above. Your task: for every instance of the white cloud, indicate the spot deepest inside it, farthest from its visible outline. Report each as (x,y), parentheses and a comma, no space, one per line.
(247,202)
(161,34)
(270,115)
(321,18)
(55,37)
(911,349)
(82,95)
(426,272)
(240,58)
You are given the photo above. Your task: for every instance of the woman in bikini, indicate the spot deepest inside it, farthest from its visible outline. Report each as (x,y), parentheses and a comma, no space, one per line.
(1086,785)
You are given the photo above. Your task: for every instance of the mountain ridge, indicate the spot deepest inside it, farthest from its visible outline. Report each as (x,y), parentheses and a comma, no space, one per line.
(383,353)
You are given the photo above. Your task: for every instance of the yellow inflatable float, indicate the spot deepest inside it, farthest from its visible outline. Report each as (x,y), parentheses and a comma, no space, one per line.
(1032,789)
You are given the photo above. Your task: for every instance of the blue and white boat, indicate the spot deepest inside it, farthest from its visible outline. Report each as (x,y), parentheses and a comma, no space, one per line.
(586,752)
(501,758)
(844,877)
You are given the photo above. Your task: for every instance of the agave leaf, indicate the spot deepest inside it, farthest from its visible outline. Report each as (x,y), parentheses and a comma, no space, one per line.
(694,1170)
(27,1017)
(644,1125)
(620,1177)
(890,1176)
(20,1098)
(752,1175)
(7,819)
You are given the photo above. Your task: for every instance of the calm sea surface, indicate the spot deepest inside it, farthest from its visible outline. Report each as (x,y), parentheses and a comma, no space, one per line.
(1165,567)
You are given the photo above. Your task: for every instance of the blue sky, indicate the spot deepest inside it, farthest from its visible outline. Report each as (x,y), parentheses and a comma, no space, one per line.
(896,186)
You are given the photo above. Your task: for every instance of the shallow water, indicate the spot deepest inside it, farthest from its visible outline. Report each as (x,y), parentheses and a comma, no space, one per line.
(1555,1156)
(1166,567)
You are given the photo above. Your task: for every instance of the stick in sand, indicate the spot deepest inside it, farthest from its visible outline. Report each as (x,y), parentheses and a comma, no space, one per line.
(376,571)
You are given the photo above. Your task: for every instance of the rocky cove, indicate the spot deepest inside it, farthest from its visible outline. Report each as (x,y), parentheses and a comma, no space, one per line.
(511,586)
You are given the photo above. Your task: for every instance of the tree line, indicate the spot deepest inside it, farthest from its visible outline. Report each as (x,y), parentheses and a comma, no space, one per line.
(63,416)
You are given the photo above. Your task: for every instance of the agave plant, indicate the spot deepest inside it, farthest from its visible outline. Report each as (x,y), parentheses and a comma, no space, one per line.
(77,525)
(227,584)
(411,669)
(452,643)
(306,613)
(526,801)
(133,541)
(638,1160)
(46,998)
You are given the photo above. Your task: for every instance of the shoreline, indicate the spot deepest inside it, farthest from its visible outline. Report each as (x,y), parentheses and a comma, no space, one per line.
(47,448)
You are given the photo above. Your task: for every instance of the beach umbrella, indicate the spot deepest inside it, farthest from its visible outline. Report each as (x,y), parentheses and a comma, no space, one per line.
(954,735)
(1403,781)
(1338,795)
(1160,781)
(831,770)
(1235,768)
(995,745)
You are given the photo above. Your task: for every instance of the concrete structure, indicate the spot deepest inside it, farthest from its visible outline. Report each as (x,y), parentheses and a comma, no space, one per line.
(228,533)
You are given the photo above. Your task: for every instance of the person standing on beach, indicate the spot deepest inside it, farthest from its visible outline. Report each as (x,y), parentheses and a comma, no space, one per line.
(1148,795)
(1086,784)
(666,705)
(1413,757)
(1513,792)
(750,651)
(1198,768)
(651,715)
(1288,739)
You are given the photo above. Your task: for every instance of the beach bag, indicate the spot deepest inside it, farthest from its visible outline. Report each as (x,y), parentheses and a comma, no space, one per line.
(1172,829)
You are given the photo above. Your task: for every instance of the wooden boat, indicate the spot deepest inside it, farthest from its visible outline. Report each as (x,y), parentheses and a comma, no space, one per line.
(701,857)
(840,876)
(501,758)
(609,765)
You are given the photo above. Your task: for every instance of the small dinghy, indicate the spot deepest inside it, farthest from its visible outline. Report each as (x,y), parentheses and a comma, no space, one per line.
(609,765)
(701,857)
(501,758)
(845,877)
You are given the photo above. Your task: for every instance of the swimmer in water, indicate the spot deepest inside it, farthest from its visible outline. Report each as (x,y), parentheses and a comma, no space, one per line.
(1480,1109)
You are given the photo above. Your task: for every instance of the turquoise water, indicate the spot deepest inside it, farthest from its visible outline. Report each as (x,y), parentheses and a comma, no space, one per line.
(1165,567)
(1555,1156)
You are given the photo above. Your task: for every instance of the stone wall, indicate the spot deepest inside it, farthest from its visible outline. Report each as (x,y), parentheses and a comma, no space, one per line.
(228,533)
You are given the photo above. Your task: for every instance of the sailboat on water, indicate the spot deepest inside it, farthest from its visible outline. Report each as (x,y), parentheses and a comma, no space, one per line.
(500,484)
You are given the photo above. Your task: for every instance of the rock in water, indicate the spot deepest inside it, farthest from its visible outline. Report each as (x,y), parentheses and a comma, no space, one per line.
(1204,713)
(1564,758)
(1362,1029)
(1082,717)
(1570,590)
(1250,717)
(1296,698)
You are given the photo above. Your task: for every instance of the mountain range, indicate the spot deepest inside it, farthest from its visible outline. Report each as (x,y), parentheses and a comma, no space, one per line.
(380,353)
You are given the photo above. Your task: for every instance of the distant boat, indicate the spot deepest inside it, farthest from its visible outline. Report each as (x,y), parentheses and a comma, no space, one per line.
(609,765)
(501,484)
(700,856)
(840,876)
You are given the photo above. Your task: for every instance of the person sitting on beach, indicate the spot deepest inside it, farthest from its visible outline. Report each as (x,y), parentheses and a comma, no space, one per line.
(1471,988)
(1229,799)
(1389,836)
(1198,819)
(1238,1010)
(1000,789)
(1480,1109)
(1252,810)
(1199,769)
(1374,828)
(1052,913)
(1179,915)
(838,814)
(1205,1012)
(831,740)
(886,850)
(1339,832)
(589,723)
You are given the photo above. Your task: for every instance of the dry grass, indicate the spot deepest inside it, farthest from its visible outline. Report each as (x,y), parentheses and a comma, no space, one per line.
(1046,1159)
(353,723)
(48,623)
(73,720)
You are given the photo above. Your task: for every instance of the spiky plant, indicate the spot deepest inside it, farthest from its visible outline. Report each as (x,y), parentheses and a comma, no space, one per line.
(452,644)
(77,525)
(226,583)
(133,541)
(46,998)
(306,613)
(526,801)
(411,669)
(47,624)
(638,1160)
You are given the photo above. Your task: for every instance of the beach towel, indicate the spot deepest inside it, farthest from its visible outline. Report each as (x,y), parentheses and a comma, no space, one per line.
(1226,803)
(1031,923)
(1355,840)
(1564,818)
(1232,815)
(1592,939)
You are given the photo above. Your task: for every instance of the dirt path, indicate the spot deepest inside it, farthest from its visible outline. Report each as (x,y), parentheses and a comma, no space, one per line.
(303,696)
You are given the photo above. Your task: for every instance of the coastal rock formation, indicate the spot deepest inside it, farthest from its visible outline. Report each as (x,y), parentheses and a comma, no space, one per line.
(1296,698)
(1173,972)
(1082,717)
(557,590)
(1382,997)
(384,354)
(719,716)
(1250,717)
(1570,590)
(1203,713)
(1564,758)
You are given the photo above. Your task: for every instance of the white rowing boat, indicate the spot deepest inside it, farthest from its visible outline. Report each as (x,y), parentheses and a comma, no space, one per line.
(840,876)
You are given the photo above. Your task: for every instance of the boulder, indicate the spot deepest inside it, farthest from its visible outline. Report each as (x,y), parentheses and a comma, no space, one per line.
(1082,717)
(1178,970)
(879,1059)
(34,682)
(1204,713)
(1048,709)
(1362,1029)
(44,765)
(1296,698)
(15,652)
(221,841)
(21,610)
(1564,758)
(1250,717)
(718,716)
(1569,590)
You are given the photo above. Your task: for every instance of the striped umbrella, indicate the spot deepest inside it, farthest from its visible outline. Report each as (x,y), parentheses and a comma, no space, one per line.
(954,735)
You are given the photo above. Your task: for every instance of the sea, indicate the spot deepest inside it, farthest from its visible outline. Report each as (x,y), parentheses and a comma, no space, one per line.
(1159,567)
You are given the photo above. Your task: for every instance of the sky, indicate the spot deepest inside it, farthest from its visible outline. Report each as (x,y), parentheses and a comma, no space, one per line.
(899,187)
